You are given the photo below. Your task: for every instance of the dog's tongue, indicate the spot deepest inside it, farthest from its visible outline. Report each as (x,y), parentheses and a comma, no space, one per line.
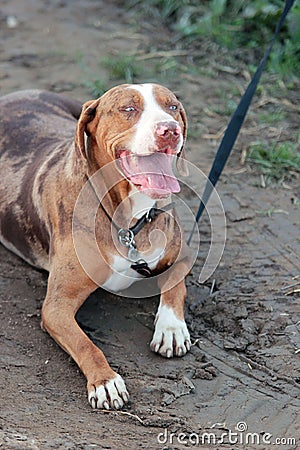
(152,172)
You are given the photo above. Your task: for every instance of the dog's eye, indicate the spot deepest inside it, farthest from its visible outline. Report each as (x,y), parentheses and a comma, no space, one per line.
(173,107)
(129,109)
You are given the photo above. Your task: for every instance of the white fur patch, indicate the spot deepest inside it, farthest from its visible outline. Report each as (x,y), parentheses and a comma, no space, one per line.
(111,395)
(123,276)
(140,202)
(171,336)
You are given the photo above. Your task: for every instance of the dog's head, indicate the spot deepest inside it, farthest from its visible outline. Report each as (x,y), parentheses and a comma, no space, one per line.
(141,127)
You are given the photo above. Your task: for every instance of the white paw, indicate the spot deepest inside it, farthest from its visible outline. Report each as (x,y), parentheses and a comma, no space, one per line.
(111,395)
(171,336)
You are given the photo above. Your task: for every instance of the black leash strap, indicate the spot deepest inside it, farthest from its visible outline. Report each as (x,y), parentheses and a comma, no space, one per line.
(236,122)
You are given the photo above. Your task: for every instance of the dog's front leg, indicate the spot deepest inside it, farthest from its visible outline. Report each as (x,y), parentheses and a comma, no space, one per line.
(66,293)
(171,336)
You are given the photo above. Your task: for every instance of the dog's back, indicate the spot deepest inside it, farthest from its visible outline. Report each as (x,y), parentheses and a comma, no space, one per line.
(34,125)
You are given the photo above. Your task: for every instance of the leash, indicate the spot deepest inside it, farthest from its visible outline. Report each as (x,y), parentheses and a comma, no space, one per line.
(126,235)
(236,123)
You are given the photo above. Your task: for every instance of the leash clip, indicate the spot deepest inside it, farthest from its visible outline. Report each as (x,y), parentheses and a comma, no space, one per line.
(126,237)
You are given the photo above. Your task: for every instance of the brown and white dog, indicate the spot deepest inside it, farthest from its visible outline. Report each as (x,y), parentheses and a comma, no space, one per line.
(43,170)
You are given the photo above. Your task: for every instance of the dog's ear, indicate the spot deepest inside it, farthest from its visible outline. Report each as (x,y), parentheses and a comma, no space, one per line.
(88,113)
(181,159)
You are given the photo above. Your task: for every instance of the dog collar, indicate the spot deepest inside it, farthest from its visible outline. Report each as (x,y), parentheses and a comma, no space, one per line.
(126,235)
(126,238)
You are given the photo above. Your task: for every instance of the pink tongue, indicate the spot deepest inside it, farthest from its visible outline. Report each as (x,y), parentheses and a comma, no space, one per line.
(151,171)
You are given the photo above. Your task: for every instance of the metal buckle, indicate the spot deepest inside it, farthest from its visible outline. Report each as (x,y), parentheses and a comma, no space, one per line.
(147,217)
(126,237)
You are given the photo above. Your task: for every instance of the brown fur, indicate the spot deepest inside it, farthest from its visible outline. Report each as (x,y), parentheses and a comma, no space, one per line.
(42,172)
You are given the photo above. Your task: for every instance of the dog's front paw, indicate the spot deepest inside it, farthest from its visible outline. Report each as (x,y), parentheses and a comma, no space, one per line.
(171,336)
(109,395)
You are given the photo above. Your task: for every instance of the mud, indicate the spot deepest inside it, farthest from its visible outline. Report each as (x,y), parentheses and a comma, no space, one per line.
(243,369)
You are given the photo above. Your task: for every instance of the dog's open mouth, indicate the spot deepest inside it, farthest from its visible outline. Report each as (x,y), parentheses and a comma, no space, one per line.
(151,174)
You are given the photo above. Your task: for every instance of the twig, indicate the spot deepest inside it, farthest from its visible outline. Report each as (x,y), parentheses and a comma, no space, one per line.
(216,135)
(162,54)
(123,413)
(262,181)
(290,286)
(212,287)
(292,291)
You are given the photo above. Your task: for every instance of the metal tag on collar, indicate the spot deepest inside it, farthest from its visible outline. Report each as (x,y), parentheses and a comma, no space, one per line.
(133,253)
(126,237)
(148,217)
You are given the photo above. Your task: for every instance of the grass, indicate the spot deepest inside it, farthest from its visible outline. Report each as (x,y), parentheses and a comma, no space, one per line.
(123,67)
(229,33)
(277,162)
(210,36)
(134,68)
(272,117)
(227,102)
(119,69)
(242,24)
(96,86)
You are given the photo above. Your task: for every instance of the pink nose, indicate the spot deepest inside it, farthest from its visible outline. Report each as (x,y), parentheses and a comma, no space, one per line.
(168,130)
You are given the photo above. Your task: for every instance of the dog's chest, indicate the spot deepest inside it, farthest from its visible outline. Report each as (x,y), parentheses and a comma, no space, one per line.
(123,275)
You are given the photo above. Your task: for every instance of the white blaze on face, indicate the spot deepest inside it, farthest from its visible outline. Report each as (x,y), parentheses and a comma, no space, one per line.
(143,141)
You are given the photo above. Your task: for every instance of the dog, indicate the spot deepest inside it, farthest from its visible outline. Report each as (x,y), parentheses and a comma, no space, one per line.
(50,148)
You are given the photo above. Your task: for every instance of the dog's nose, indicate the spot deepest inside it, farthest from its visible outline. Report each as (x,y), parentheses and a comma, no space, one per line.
(168,130)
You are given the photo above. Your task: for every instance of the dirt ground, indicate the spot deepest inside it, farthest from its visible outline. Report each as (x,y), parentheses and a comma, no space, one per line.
(243,369)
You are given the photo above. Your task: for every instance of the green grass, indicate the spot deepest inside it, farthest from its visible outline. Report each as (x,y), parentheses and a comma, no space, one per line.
(119,69)
(278,162)
(123,67)
(134,69)
(96,86)
(211,32)
(271,117)
(240,24)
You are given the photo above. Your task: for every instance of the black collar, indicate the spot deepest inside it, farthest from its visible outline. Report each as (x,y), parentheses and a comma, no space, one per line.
(148,217)
(126,235)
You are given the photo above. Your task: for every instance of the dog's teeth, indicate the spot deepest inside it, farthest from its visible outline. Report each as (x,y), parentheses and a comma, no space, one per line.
(149,180)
